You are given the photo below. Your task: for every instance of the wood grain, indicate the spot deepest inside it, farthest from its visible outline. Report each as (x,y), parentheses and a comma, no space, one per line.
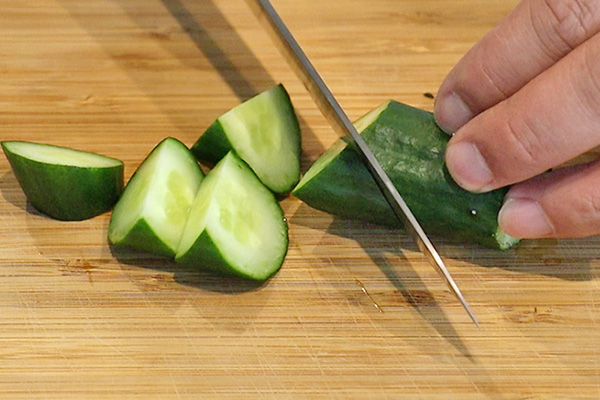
(355,313)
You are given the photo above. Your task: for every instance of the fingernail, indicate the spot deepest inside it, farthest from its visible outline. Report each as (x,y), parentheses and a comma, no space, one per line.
(468,167)
(451,112)
(524,218)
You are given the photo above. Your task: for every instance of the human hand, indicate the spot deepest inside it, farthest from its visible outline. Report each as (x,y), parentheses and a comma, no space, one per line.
(524,99)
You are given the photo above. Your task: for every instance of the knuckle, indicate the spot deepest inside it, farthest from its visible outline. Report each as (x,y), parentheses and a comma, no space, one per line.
(573,199)
(587,82)
(525,142)
(588,208)
(494,81)
(565,24)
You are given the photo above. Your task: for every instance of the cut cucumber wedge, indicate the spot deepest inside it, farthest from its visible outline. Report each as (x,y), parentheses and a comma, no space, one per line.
(264,132)
(153,210)
(63,183)
(236,225)
(410,147)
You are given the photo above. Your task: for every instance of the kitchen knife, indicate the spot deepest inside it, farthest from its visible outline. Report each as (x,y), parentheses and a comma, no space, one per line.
(338,119)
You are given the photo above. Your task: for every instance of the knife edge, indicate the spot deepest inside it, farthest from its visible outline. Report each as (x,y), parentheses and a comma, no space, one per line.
(338,119)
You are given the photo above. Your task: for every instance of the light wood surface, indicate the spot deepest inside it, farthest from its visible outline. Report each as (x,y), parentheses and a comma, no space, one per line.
(355,313)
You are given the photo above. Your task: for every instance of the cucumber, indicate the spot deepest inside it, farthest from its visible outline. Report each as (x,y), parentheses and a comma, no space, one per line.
(153,210)
(236,225)
(410,147)
(63,183)
(264,132)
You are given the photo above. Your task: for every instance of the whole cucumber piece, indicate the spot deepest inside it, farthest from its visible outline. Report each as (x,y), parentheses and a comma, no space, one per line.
(264,132)
(235,226)
(410,147)
(153,210)
(63,183)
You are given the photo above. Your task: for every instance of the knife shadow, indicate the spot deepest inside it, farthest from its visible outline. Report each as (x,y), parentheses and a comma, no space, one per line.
(418,296)
(415,294)
(379,243)
(244,85)
(210,32)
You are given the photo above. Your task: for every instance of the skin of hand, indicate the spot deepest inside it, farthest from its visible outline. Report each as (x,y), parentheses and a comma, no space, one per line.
(526,99)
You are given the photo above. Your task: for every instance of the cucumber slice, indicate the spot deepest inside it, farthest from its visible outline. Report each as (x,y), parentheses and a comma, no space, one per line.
(236,225)
(264,132)
(154,207)
(410,147)
(63,183)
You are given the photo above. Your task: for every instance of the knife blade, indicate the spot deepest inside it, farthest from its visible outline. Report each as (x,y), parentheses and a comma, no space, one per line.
(338,119)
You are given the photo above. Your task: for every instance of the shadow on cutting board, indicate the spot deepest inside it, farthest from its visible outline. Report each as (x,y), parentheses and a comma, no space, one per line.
(185,275)
(414,293)
(559,259)
(418,295)
(565,259)
(214,37)
(11,192)
(164,283)
(221,55)
(379,243)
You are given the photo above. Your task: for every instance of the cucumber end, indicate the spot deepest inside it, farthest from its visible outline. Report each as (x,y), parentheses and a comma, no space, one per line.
(504,240)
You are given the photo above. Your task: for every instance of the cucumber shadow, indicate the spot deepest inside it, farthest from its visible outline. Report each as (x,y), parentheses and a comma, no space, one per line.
(565,259)
(185,275)
(166,284)
(11,192)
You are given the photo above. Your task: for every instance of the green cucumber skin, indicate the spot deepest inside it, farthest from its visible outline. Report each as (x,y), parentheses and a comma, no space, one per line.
(142,238)
(41,185)
(214,144)
(410,147)
(204,252)
(346,188)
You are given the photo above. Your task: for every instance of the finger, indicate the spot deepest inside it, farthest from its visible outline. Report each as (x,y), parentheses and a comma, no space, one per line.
(534,36)
(564,203)
(551,120)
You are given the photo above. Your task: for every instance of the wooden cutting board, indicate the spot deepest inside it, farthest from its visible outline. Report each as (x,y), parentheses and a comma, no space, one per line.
(355,313)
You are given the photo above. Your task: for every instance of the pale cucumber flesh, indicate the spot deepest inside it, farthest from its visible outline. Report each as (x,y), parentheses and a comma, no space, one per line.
(241,219)
(264,132)
(49,154)
(323,161)
(160,193)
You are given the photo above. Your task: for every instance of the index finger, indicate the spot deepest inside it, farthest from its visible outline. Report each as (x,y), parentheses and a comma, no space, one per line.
(534,36)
